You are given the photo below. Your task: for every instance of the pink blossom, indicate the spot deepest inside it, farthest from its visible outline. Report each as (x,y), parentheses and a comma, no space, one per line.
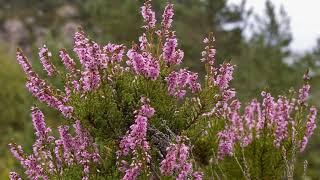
(39,124)
(167,17)
(45,59)
(197,175)
(169,164)
(170,54)
(143,64)
(81,42)
(208,55)
(143,42)
(17,152)
(268,106)
(310,127)
(90,80)
(14,176)
(227,139)
(304,93)
(24,63)
(114,53)
(148,15)
(132,173)
(67,143)
(67,61)
(178,160)
(282,117)
(135,143)
(33,168)
(79,150)
(224,76)
(178,81)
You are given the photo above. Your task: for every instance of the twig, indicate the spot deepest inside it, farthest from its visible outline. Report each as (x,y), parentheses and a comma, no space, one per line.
(243,172)
(245,164)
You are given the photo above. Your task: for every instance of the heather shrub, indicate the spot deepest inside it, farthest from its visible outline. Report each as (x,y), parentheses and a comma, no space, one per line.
(135,113)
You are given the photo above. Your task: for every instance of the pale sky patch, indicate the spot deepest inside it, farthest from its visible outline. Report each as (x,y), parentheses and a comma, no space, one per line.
(304,20)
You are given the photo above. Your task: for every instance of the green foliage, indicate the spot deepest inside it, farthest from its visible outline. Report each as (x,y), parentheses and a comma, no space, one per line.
(108,113)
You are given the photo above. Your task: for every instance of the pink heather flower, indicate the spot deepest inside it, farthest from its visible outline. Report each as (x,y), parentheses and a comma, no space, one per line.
(39,124)
(224,76)
(67,143)
(45,59)
(178,82)
(24,63)
(135,142)
(92,59)
(185,171)
(67,92)
(57,152)
(146,110)
(143,42)
(197,175)
(177,160)
(89,52)
(17,152)
(114,53)
(95,56)
(253,116)
(304,93)
(67,61)
(90,80)
(268,106)
(310,127)
(83,150)
(167,17)
(39,165)
(282,117)
(208,55)
(169,53)
(43,93)
(143,64)
(227,139)
(33,169)
(148,15)
(14,176)
(81,42)
(169,164)
(132,173)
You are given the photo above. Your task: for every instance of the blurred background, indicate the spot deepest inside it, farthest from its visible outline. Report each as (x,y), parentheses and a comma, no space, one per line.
(273,43)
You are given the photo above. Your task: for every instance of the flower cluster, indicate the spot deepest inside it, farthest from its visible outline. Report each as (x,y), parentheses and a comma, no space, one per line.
(114,53)
(45,59)
(170,53)
(209,54)
(143,64)
(223,76)
(148,15)
(310,127)
(167,16)
(67,61)
(90,55)
(47,152)
(274,114)
(177,160)
(304,92)
(41,90)
(14,176)
(136,144)
(178,81)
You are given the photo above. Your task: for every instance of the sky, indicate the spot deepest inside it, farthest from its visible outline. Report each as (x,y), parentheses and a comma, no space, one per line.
(304,20)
